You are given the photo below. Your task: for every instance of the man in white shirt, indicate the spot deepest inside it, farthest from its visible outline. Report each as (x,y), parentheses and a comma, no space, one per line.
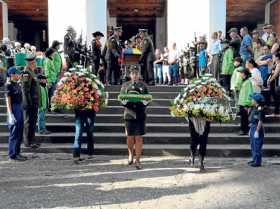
(173,60)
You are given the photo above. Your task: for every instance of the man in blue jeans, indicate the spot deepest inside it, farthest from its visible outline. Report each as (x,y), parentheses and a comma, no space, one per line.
(173,61)
(84,121)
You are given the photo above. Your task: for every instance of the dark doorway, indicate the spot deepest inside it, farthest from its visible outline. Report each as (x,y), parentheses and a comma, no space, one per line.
(130,27)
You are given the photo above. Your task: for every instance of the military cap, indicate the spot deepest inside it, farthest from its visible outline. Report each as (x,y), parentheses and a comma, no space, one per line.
(267,26)
(143,30)
(30,58)
(233,30)
(134,68)
(70,28)
(119,28)
(97,33)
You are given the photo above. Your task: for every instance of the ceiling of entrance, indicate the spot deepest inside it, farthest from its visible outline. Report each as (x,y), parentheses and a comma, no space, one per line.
(35,10)
(132,8)
(245,10)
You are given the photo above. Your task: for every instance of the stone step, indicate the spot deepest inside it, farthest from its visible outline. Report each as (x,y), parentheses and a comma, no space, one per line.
(157,88)
(151,127)
(150,138)
(229,150)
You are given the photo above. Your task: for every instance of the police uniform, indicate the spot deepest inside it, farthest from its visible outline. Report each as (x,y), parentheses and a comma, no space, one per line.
(112,56)
(96,52)
(13,90)
(69,48)
(135,113)
(257,114)
(31,91)
(147,59)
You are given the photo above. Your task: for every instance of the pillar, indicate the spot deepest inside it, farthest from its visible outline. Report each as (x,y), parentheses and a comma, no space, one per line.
(86,16)
(4,19)
(185,19)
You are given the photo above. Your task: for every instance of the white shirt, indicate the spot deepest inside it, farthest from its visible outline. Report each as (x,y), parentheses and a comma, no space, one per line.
(256,79)
(173,56)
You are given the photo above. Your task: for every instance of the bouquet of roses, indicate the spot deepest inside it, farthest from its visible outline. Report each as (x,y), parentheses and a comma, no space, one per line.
(204,98)
(79,89)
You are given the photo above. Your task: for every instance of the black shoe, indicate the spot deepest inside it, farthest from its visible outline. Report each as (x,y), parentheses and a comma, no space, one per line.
(255,165)
(138,166)
(250,162)
(130,160)
(35,146)
(241,133)
(21,157)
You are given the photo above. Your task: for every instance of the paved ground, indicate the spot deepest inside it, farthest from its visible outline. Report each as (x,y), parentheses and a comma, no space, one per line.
(53,181)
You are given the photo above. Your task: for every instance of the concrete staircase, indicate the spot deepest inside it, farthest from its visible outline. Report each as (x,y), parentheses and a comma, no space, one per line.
(165,134)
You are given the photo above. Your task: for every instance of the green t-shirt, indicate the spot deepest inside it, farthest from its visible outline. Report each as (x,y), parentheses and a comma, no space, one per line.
(245,92)
(50,71)
(227,66)
(236,80)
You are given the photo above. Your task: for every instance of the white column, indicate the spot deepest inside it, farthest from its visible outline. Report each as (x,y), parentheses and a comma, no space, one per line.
(64,13)
(5,19)
(200,17)
(96,17)
(86,16)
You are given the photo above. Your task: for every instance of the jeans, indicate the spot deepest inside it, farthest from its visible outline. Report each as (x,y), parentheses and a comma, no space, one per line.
(174,73)
(16,131)
(84,121)
(158,73)
(42,121)
(51,92)
(256,144)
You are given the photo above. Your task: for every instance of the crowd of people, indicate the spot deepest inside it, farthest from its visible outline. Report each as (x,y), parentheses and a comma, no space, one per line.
(248,67)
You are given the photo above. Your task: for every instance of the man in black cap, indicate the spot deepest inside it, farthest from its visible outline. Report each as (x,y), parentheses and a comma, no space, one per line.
(147,57)
(69,45)
(96,50)
(30,89)
(113,54)
(235,41)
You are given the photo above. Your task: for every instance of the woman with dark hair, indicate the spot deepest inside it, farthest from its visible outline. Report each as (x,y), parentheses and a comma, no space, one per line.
(256,76)
(244,100)
(273,82)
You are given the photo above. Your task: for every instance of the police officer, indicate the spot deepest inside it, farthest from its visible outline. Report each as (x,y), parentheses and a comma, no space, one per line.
(15,114)
(113,54)
(104,51)
(69,45)
(135,116)
(147,57)
(96,50)
(256,119)
(30,89)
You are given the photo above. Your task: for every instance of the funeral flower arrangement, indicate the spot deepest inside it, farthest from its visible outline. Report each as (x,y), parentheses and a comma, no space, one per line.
(132,94)
(203,98)
(79,89)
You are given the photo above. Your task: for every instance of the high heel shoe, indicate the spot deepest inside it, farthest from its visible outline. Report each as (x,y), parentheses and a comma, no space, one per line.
(130,160)
(138,165)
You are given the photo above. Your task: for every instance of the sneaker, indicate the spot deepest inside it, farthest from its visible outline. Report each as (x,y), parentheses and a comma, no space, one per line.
(255,165)
(250,162)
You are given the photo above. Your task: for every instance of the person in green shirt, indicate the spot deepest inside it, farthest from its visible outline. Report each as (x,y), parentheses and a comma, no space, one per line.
(50,72)
(43,105)
(57,60)
(236,81)
(257,47)
(227,65)
(245,100)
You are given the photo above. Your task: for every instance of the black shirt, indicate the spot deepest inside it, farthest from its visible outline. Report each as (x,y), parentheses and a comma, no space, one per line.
(13,90)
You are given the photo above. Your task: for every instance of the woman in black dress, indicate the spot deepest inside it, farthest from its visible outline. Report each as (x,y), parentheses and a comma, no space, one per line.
(135,116)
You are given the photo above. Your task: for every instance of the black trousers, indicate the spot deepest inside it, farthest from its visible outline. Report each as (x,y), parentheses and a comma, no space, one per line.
(200,140)
(113,69)
(244,123)
(275,95)
(30,120)
(225,81)
(95,66)
(147,71)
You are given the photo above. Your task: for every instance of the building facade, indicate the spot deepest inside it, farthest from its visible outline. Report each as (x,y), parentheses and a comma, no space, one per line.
(41,21)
